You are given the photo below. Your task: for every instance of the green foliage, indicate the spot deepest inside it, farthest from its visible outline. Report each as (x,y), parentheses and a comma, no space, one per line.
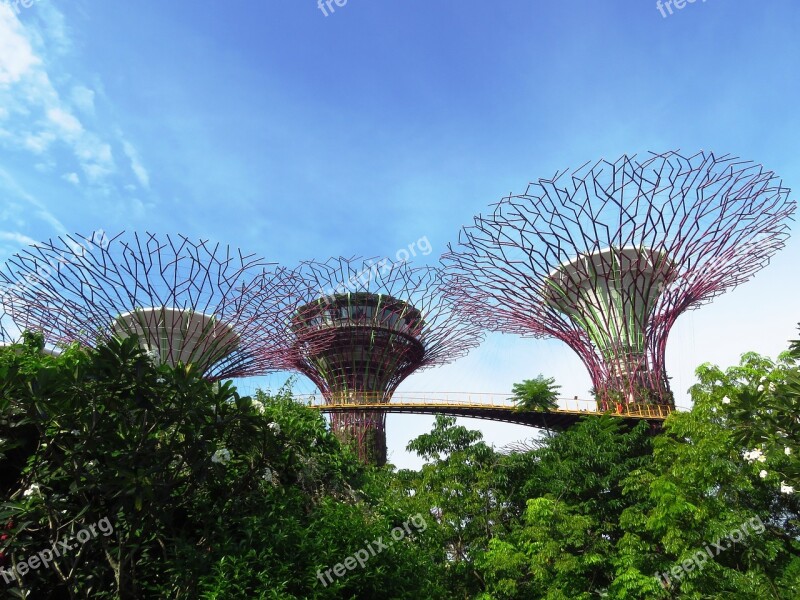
(217,496)
(572,494)
(536,394)
(457,488)
(210,494)
(700,489)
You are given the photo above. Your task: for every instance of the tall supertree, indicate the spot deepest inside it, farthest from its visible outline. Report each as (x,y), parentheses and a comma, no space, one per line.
(190,301)
(607,258)
(366,325)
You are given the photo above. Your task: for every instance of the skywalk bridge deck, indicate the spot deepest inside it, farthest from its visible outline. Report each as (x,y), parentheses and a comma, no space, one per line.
(494,407)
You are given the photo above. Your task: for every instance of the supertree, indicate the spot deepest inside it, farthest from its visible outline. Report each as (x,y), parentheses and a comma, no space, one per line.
(366,325)
(607,258)
(192,302)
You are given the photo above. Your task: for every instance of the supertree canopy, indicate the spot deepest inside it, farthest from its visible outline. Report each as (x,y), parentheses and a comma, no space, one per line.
(190,302)
(366,325)
(607,258)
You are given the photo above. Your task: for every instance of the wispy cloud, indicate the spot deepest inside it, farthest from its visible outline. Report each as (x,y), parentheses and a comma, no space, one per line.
(52,117)
(15,192)
(42,119)
(19,238)
(16,54)
(136,164)
(83,99)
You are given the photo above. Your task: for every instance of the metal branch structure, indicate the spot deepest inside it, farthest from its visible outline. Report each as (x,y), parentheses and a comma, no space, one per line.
(5,336)
(607,257)
(363,327)
(191,302)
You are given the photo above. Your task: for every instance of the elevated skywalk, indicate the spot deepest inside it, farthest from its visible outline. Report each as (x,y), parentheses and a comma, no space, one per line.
(494,407)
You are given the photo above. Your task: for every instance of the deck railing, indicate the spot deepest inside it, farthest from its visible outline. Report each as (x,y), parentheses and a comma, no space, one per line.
(432,400)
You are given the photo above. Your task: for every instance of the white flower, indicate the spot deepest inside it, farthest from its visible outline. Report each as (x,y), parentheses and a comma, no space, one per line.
(763,474)
(221,456)
(34,489)
(275,428)
(258,405)
(761,388)
(753,455)
(762,459)
(771,386)
(726,400)
(787,451)
(268,476)
(786,489)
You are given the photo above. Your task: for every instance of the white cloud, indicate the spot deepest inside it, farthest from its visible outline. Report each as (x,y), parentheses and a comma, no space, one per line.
(16,54)
(41,211)
(45,166)
(83,99)
(56,32)
(13,236)
(71,178)
(136,164)
(96,157)
(41,121)
(38,142)
(66,122)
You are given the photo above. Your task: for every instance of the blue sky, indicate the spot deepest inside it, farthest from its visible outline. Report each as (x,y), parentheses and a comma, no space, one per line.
(269,126)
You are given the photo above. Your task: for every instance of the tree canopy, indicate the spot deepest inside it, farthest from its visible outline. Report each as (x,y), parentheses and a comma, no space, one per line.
(163,485)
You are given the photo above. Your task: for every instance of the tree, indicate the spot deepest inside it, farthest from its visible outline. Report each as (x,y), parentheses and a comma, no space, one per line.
(458,487)
(538,394)
(564,545)
(764,414)
(710,519)
(197,492)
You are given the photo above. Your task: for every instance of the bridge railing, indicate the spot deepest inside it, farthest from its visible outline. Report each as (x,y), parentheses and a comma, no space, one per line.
(478,400)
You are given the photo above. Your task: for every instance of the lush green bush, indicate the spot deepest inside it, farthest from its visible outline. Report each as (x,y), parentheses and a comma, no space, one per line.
(207,494)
